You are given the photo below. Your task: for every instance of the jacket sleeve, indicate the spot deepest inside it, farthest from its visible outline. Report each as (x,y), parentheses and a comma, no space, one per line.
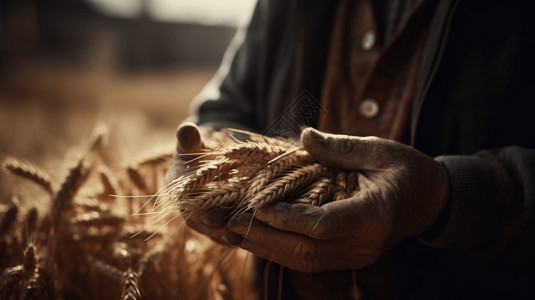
(492,207)
(228,99)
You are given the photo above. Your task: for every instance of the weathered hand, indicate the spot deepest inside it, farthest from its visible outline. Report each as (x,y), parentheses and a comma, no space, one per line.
(402,192)
(211,223)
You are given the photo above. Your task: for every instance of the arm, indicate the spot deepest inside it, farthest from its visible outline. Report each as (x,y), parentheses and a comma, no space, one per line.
(492,203)
(227,101)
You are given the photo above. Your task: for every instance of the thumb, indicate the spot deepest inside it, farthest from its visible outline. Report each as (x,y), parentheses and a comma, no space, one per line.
(189,138)
(343,151)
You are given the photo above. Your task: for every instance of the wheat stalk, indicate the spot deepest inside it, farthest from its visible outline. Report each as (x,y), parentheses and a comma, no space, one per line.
(30,223)
(39,286)
(9,218)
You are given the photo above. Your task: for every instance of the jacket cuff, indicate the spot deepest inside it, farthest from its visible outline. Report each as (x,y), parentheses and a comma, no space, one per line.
(474,196)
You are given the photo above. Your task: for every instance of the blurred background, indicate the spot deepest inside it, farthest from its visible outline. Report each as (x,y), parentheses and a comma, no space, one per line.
(134,65)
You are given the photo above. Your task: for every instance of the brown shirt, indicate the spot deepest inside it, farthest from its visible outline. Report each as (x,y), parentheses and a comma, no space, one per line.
(370,77)
(368,90)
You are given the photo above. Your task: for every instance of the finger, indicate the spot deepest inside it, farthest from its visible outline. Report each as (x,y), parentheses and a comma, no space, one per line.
(189,138)
(219,235)
(213,218)
(283,242)
(298,218)
(338,261)
(347,152)
(338,219)
(297,264)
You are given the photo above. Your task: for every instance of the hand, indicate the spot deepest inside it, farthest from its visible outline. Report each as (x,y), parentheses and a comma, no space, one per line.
(190,140)
(402,192)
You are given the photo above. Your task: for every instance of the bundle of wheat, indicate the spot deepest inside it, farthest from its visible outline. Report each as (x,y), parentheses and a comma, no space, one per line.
(249,175)
(94,237)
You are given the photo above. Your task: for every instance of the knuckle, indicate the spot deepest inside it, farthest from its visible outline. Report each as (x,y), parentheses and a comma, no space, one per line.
(343,145)
(322,228)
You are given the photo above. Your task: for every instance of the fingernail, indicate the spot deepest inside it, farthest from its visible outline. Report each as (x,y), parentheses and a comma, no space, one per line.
(238,224)
(315,136)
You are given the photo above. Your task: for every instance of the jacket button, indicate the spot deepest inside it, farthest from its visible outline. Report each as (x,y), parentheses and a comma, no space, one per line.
(369,108)
(368,40)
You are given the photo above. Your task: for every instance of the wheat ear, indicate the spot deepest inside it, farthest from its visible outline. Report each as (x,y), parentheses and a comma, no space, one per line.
(285,185)
(318,193)
(77,176)
(29,260)
(30,172)
(129,283)
(39,286)
(224,196)
(11,284)
(207,173)
(275,169)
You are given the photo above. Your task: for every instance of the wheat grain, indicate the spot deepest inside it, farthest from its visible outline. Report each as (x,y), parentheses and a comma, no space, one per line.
(352,183)
(341,186)
(30,172)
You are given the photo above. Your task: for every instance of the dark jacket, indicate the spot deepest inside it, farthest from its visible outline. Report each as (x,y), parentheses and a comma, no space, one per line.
(474,110)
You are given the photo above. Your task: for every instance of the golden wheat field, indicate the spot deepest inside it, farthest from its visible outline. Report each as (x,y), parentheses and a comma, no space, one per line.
(92,237)
(70,220)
